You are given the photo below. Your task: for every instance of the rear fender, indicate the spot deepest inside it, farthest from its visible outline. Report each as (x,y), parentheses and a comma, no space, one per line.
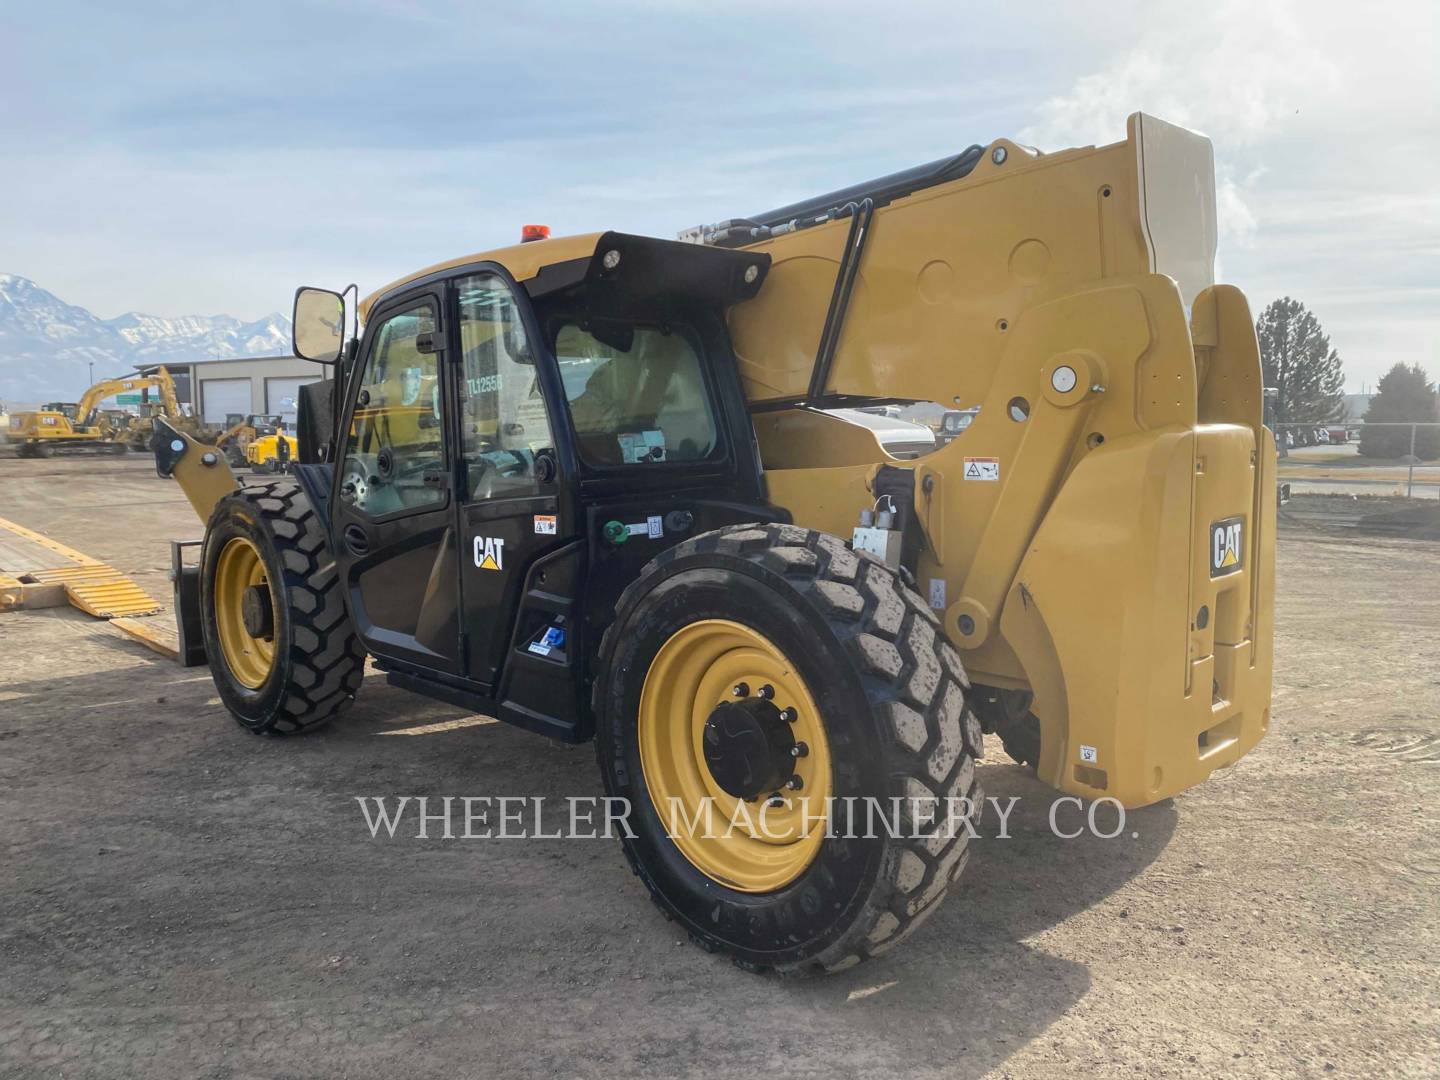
(316,480)
(1150,668)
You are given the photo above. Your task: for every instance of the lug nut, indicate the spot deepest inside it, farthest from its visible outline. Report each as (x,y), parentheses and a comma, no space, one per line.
(741,690)
(766,692)
(794,783)
(789,715)
(775,801)
(799,750)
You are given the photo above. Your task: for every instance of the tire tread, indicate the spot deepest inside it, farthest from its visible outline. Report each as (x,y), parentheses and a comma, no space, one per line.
(909,673)
(326,657)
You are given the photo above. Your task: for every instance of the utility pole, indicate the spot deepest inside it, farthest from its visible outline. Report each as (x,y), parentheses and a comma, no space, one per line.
(1410,477)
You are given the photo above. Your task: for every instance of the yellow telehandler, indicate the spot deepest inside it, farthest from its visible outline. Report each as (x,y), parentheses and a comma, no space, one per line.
(605,487)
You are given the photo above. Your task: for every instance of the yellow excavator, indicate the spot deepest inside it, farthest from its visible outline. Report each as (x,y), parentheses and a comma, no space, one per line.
(604,487)
(84,426)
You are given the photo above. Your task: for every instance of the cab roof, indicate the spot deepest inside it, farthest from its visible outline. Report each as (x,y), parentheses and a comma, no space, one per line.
(630,270)
(523,261)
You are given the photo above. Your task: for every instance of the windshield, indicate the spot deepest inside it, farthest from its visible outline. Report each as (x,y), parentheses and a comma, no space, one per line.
(636,393)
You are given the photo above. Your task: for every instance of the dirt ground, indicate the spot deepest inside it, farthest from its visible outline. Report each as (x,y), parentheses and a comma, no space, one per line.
(181,899)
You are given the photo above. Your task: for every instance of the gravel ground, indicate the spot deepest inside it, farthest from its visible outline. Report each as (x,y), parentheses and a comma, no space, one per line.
(181,899)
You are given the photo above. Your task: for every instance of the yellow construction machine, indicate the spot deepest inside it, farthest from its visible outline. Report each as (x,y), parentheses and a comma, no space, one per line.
(605,487)
(84,426)
(140,429)
(259,441)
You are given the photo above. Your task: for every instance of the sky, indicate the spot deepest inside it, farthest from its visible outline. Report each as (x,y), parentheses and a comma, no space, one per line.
(185,158)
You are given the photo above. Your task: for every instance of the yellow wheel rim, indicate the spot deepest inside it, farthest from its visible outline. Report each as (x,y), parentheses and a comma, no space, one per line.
(249,658)
(753,847)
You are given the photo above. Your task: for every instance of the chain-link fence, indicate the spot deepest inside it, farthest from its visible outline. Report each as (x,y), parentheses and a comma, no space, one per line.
(1386,459)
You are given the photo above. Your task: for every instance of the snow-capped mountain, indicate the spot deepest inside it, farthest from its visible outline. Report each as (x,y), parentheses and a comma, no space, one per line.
(47,345)
(154,338)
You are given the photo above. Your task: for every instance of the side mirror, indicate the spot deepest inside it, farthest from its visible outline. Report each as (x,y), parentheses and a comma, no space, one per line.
(318,326)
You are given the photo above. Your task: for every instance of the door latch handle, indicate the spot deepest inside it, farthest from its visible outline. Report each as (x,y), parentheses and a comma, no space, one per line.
(433,478)
(356,540)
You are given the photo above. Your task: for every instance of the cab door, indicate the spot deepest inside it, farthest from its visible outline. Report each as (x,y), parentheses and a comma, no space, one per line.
(520,558)
(393,507)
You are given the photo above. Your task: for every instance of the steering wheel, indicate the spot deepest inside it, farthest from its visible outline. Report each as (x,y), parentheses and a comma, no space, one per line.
(488,471)
(481,477)
(355,484)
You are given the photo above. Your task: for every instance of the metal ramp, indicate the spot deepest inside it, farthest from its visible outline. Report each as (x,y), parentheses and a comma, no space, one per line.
(36,571)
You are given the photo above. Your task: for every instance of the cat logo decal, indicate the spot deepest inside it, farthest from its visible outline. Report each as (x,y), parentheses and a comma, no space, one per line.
(1227,551)
(489,553)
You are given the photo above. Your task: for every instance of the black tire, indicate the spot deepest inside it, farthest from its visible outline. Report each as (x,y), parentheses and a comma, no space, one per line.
(891,693)
(319,662)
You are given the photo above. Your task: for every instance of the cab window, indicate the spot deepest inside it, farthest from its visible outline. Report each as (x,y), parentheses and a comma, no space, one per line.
(636,393)
(395,434)
(503,424)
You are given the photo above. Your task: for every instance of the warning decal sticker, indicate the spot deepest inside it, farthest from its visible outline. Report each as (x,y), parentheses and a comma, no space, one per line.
(982,468)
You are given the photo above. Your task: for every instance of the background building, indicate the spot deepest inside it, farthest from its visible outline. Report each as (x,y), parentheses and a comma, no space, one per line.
(245,384)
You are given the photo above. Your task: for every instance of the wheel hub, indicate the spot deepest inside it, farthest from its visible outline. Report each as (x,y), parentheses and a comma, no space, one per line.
(244,613)
(257,612)
(702,760)
(749,748)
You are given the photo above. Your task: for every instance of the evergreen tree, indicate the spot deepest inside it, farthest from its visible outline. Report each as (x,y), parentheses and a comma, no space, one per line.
(1299,362)
(1405,395)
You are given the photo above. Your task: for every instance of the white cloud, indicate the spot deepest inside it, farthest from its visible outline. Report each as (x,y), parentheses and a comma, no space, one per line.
(1237,222)
(1324,120)
(1231,73)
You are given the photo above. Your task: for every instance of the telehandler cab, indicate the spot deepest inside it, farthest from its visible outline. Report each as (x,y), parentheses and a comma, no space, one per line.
(594,486)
